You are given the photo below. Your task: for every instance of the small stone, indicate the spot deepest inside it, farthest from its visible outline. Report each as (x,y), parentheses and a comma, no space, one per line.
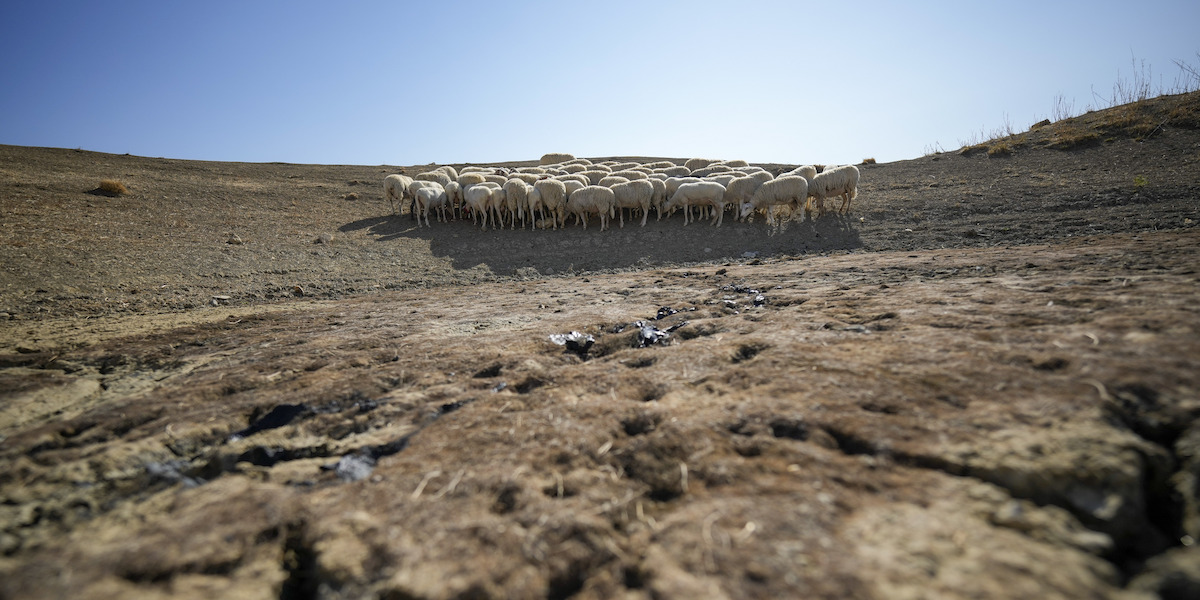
(235,239)
(324,238)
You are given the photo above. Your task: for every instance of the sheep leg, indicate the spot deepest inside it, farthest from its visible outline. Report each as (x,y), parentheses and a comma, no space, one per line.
(645,213)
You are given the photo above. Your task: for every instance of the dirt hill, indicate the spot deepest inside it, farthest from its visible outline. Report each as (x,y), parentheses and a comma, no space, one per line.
(250,380)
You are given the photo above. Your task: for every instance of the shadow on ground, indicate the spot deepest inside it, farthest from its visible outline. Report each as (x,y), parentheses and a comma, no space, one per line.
(509,252)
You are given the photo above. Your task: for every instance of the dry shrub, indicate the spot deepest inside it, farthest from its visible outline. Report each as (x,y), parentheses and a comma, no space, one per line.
(974,149)
(1001,149)
(111,187)
(1186,113)
(868,161)
(1074,137)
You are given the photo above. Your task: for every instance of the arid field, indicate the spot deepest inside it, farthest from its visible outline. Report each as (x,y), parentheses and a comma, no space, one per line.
(253,381)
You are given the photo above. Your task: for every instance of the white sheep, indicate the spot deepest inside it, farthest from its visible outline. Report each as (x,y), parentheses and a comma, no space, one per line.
(677,171)
(660,195)
(470,178)
(555,157)
(478,199)
(429,197)
(573,185)
(839,181)
(661,164)
(592,199)
(791,191)
(805,171)
(528,178)
(579,177)
(552,195)
(698,163)
(438,176)
(673,183)
(621,166)
(594,175)
(635,194)
(630,174)
(395,189)
(516,196)
(699,194)
(612,180)
(454,197)
(711,170)
(740,190)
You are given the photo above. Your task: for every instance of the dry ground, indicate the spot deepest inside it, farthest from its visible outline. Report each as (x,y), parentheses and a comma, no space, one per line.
(982,382)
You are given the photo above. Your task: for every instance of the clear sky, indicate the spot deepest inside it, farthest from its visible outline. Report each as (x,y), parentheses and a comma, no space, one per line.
(405,83)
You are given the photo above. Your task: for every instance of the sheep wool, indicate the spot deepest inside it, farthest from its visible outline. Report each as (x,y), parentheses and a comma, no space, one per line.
(555,158)
(592,199)
(839,181)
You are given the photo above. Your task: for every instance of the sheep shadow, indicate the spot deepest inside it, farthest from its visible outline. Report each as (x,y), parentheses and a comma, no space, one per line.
(574,249)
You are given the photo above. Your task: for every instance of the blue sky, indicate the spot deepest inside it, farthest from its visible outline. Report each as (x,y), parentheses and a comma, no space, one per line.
(404,83)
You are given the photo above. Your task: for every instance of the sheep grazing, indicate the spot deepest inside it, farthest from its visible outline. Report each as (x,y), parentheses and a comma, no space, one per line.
(661,164)
(574,177)
(806,171)
(612,180)
(553,197)
(839,181)
(395,189)
(469,179)
(592,199)
(454,197)
(635,194)
(478,199)
(676,171)
(430,197)
(791,191)
(528,178)
(594,175)
(438,176)
(630,174)
(659,196)
(699,194)
(711,170)
(516,197)
(740,190)
(573,185)
(698,163)
(555,158)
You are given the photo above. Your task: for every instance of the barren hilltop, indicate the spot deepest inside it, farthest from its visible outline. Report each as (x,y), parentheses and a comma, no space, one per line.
(251,381)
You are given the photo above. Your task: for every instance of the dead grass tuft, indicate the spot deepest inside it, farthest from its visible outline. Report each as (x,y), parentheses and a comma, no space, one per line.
(1070,138)
(868,161)
(1001,149)
(111,187)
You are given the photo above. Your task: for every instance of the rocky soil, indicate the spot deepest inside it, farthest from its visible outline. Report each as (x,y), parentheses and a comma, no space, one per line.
(244,380)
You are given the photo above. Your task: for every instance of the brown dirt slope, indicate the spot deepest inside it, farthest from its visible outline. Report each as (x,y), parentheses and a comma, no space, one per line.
(982,382)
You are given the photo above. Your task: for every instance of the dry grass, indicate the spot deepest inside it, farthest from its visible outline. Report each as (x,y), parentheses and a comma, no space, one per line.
(1069,138)
(112,187)
(1000,149)
(868,161)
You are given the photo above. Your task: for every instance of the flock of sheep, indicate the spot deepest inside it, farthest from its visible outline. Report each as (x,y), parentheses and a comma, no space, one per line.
(544,196)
